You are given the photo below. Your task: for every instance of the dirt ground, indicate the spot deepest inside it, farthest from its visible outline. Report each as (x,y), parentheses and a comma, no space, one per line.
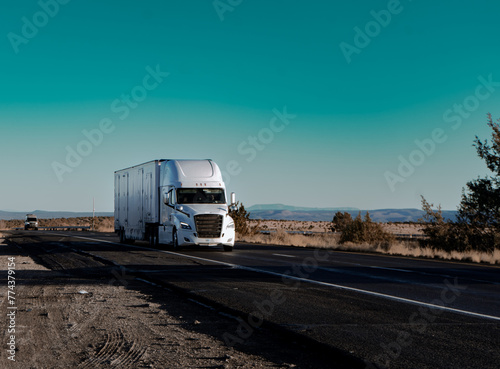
(314,226)
(74,316)
(105,224)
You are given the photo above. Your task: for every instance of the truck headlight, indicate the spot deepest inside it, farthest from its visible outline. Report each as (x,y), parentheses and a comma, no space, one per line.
(185,226)
(230,225)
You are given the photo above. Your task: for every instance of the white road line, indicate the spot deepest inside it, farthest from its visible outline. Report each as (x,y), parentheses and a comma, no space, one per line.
(312,281)
(397,270)
(286,256)
(420,272)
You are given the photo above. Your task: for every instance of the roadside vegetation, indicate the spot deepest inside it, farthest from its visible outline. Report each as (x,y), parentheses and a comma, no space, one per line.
(360,230)
(101,224)
(473,236)
(241,219)
(477,227)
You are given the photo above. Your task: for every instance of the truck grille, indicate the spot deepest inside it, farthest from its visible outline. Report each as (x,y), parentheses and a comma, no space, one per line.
(208,225)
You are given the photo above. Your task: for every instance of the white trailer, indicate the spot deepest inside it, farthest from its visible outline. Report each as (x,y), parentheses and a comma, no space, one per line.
(174,202)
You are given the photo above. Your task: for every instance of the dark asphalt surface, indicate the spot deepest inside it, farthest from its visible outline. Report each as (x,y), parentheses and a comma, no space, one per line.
(388,311)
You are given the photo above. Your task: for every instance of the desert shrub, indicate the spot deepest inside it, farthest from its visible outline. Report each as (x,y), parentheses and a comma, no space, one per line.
(478,222)
(452,236)
(438,231)
(341,221)
(361,231)
(241,218)
(479,210)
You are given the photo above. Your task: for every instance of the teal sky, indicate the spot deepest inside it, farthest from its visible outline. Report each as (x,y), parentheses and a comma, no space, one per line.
(358,83)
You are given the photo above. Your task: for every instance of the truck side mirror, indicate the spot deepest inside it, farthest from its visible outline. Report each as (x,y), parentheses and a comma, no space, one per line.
(166,198)
(233,206)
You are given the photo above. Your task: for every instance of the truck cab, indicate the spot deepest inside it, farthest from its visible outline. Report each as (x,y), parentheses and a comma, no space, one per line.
(194,208)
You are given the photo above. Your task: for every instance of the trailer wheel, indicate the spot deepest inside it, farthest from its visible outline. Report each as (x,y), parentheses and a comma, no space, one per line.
(121,233)
(153,237)
(175,240)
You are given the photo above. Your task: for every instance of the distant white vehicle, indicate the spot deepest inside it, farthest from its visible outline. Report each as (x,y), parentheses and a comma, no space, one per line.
(175,202)
(31,222)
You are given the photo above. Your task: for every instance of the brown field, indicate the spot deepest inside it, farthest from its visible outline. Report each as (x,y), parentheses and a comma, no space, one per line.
(101,224)
(331,241)
(326,239)
(291,225)
(106,224)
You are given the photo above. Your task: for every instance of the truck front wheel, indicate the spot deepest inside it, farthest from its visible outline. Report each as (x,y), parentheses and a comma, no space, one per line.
(175,240)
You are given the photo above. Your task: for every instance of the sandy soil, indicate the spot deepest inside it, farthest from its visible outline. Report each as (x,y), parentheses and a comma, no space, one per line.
(290,225)
(66,321)
(105,224)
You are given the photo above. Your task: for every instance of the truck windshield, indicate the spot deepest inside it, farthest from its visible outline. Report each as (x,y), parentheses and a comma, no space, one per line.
(31,219)
(200,196)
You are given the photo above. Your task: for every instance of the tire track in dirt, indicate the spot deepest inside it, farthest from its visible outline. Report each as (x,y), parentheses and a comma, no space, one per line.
(120,321)
(117,351)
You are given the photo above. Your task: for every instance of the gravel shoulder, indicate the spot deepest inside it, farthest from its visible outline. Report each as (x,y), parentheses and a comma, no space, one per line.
(75,312)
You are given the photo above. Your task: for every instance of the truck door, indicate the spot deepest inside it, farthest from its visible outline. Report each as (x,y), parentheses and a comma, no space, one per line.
(167,221)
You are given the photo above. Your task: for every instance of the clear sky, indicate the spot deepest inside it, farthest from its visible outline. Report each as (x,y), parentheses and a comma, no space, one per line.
(368,104)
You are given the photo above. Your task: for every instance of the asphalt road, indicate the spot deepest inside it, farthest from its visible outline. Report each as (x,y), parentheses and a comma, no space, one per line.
(386,311)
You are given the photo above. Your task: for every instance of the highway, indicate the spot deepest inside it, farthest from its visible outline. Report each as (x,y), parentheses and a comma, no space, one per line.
(367,310)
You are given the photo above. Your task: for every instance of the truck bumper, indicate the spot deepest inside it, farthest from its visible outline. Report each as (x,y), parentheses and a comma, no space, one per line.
(187,237)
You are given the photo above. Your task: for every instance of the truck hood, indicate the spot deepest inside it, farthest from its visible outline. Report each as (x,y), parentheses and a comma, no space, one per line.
(195,209)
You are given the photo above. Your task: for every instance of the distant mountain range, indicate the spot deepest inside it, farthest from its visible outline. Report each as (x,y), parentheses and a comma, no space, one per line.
(282,207)
(285,212)
(267,211)
(41,214)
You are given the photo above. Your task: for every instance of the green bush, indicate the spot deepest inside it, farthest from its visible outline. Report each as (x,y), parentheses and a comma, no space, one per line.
(478,222)
(359,230)
(240,217)
(341,221)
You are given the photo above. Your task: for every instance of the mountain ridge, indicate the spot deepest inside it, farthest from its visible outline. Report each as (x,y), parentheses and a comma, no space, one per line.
(284,212)
(266,212)
(264,207)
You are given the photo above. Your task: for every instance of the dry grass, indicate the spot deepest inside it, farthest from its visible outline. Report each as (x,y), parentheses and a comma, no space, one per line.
(402,248)
(311,226)
(281,237)
(102,224)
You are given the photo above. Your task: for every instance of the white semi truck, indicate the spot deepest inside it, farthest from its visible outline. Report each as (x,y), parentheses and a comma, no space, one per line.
(174,202)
